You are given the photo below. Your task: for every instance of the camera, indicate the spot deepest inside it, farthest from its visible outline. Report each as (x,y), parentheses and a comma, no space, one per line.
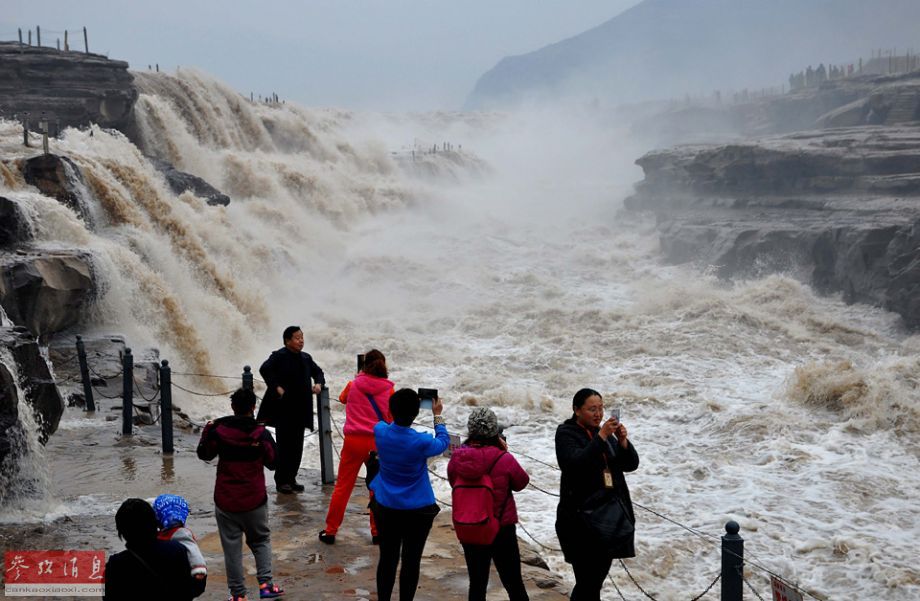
(426,397)
(360,362)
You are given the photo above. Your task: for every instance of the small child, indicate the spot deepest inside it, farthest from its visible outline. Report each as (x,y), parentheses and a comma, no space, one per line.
(172,511)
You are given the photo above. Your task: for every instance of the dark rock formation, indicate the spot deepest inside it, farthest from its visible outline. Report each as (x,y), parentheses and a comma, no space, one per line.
(58,177)
(34,379)
(14,227)
(180,181)
(46,291)
(71,87)
(839,208)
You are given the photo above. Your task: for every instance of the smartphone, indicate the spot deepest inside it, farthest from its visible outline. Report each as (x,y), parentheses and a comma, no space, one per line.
(360,363)
(615,412)
(426,397)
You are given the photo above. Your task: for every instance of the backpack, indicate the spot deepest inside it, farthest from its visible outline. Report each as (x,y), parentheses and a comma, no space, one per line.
(473,500)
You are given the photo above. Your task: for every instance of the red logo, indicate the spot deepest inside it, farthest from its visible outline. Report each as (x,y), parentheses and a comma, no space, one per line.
(54,573)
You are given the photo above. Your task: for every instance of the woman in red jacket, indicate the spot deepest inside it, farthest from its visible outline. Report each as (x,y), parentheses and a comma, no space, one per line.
(367,401)
(485,451)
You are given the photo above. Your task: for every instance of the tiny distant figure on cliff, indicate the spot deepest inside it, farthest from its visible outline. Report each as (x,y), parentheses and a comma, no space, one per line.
(149,568)
(367,402)
(172,513)
(594,452)
(243,448)
(288,403)
(485,454)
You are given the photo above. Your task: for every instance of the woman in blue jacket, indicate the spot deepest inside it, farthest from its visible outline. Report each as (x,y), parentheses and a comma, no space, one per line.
(404,505)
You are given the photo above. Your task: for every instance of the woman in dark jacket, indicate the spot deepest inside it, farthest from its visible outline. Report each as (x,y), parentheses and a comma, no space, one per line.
(593,457)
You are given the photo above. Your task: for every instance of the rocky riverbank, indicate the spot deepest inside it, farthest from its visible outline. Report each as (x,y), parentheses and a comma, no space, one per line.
(839,208)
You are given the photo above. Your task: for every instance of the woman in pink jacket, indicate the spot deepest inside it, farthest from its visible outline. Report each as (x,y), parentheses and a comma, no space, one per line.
(485,451)
(367,402)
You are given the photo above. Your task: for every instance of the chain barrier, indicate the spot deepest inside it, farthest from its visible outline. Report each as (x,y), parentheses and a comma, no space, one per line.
(137,389)
(179,373)
(204,394)
(104,377)
(756,594)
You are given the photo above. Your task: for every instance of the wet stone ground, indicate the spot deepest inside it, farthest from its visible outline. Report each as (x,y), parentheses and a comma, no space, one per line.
(92,469)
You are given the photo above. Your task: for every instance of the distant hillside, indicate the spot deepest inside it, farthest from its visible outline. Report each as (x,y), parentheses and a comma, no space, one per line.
(668,48)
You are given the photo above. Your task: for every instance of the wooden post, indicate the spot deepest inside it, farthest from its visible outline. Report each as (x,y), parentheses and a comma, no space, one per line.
(43,126)
(66,44)
(38,35)
(20,36)
(30,37)
(25,129)
(85,41)
(58,42)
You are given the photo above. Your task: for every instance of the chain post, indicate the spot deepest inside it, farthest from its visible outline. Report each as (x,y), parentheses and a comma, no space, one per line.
(89,403)
(166,405)
(127,394)
(247,378)
(732,563)
(327,469)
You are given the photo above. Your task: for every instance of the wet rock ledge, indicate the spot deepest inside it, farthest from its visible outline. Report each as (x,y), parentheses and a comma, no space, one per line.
(838,208)
(74,88)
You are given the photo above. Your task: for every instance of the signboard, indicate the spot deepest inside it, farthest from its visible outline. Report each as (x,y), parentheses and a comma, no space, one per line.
(783,591)
(53,573)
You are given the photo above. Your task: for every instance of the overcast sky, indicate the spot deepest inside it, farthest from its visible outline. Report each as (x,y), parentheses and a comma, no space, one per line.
(367,54)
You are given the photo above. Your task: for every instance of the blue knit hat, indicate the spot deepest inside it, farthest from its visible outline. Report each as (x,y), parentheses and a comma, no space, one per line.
(171,510)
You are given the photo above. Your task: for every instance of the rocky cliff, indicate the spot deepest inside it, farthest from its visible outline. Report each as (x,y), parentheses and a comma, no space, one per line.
(840,208)
(73,88)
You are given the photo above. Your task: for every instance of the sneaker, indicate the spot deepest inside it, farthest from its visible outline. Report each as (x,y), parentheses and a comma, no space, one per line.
(286,489)
(297,487)
(270,590)
(233,597)
(329,539)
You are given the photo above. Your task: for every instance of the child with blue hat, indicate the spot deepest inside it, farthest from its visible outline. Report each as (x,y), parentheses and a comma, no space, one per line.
(172,512)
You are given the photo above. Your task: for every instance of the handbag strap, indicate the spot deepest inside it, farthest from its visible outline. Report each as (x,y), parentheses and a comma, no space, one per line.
(374,405)
(508,496)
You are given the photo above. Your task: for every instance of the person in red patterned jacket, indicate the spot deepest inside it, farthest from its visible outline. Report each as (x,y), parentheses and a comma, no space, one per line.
(243,448)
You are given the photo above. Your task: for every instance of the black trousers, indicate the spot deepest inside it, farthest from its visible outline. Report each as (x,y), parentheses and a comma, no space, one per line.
(403,533)
(505,553)
(590,572)
(289,437)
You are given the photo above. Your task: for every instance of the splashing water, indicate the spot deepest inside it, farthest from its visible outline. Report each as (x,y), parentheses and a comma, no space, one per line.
(795,415)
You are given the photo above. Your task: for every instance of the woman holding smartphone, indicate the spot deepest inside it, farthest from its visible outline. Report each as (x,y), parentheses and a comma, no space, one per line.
(404,505)
(593,454)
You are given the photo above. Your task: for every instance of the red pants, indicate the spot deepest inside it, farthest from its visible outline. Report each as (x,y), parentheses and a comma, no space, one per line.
(354,453)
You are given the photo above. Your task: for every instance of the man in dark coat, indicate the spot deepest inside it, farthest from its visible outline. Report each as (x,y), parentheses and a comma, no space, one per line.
(593,454)
(288,403)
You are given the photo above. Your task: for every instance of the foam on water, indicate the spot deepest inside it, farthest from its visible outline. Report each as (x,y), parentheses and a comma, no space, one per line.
(794,414)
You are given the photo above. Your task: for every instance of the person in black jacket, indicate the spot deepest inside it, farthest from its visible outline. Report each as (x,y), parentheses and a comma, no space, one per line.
(149,568)
(288,403)
(243,448)
(593,457)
